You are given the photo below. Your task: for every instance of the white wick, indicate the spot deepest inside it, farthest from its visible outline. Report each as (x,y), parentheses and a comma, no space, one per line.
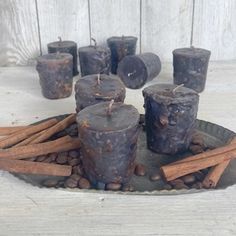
(129,74)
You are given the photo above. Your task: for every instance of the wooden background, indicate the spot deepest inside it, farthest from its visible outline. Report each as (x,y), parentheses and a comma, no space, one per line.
(26,26)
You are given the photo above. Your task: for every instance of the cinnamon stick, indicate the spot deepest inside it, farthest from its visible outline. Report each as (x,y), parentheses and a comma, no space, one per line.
(213,176)
(55,129)
(216,151)
(38,168)
(15,138)
(176,170)
(60,145)
(29,140)
(4,131)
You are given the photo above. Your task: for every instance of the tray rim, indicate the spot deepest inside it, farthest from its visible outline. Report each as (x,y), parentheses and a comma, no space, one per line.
(163,192)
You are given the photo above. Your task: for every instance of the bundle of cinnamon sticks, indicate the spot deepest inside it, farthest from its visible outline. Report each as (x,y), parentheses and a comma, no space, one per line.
(23,142)
(218,159)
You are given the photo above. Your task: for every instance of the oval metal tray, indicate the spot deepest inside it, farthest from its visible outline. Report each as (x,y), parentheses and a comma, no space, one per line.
(214,136)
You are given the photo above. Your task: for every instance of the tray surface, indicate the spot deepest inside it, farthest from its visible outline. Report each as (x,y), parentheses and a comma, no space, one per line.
(214,136)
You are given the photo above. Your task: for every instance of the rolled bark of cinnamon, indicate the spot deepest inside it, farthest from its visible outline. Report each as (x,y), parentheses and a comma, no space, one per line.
(37,168)
(176,170)
(10,130)
(55,129)
(16,138)
(215,173)
(60,145)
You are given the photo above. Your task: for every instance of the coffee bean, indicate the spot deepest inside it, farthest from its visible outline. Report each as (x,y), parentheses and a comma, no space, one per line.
(41,158)
(31,159)
(181,186)
(77,170)
(50,183)
(113,186)
(75,177)
(71,183)
(197,185)
(189,179)
(198,140)
(128,188)
(199,175)
(84,184)
(47,160)
(176,182)
(74,162)
(195,149)
(73,154)
(62,158)
(140,170)
(167,187)
(155,177)
(53,156)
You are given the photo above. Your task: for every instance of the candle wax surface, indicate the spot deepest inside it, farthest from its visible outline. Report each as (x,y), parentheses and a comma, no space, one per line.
(62,44)
(95,117)
(56,57)
(192,52)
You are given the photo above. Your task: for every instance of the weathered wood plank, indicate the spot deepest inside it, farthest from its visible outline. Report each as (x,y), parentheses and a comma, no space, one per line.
(67,19)
(215,27)
(19,40)
(166,25)
(114,18)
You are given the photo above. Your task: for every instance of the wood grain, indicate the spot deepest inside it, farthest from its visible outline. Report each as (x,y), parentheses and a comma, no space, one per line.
(27,210)
(19,40)
(114,18)
(67,19)
(215,28)
(166,25)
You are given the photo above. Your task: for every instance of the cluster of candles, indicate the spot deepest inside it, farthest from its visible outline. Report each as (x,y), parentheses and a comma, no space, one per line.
(108,128)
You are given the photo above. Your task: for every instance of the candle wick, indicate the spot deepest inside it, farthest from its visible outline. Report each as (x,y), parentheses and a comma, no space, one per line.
(99,79)
(109,107)
(57,54)
(129,74)
(95,42)
(177,87)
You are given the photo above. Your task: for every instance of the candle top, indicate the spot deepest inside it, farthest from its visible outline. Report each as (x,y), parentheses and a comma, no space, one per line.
(62,44)
(99,86)
(93,48)
(192,51)
(121,38)
(96,118)
(54,57)
(169,93)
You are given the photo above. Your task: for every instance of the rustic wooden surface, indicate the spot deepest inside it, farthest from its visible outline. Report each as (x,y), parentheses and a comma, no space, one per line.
(215,27)
(19,38)
(114,18)
(27,210)
(166,25)
(161,26)
(69,20)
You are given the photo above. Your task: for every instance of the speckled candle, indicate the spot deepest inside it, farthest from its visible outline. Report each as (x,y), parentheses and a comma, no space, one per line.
(170,115)
(190,67)
(108,142)
(56,74)
(93,89)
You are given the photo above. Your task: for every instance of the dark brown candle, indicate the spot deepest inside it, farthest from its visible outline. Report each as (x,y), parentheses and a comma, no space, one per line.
(94,59)
(170,114)
(65,47)
(136,70)
(108,135)
(190,67)
(120,47)
(93,89)
(56,74)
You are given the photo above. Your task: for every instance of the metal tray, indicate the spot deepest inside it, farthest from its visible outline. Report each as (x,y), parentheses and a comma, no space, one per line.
(214,136)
